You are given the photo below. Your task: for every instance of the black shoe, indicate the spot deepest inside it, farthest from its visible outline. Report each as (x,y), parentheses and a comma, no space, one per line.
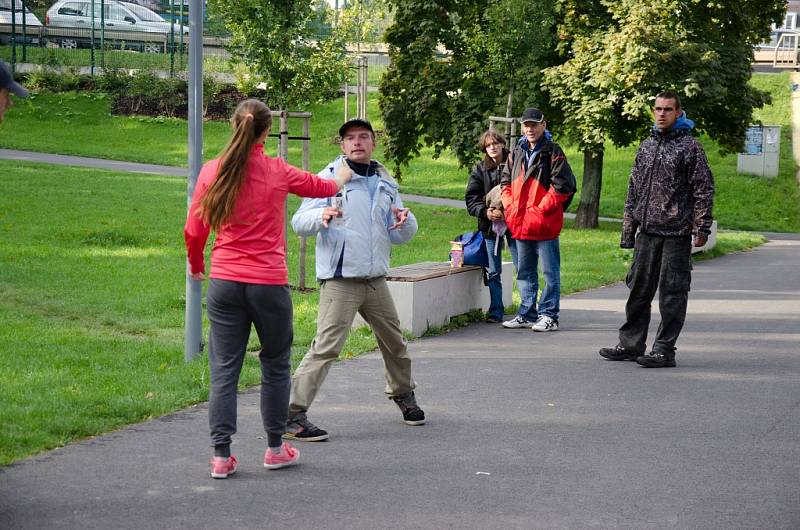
(656,360)
(618,353)
(412,414)
(300,429)
(493,320)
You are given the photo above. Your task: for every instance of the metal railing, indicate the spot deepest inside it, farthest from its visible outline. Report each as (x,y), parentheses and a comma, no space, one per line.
(785,55)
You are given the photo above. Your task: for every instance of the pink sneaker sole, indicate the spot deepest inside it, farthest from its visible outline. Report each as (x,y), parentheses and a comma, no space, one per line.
(288,457)
(224,468)
(280,465)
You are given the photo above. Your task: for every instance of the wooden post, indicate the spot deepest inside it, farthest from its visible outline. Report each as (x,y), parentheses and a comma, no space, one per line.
(510,127)
(301,269)
(283,152)
(362,87)
(346,91)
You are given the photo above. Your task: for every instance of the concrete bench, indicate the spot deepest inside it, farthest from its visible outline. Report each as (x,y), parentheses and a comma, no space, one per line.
(428,294)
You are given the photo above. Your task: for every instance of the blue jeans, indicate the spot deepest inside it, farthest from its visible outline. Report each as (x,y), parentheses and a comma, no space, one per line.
(525,255)
(494,276)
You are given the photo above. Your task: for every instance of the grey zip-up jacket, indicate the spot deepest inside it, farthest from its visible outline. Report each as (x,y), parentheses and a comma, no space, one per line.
(671,189)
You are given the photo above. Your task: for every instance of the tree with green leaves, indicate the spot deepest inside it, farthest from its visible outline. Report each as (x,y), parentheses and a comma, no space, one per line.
(453,64)
(272,38)
(619,53)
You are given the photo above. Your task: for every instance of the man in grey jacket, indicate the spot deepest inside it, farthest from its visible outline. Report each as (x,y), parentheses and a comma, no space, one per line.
(667,211)
(354,234)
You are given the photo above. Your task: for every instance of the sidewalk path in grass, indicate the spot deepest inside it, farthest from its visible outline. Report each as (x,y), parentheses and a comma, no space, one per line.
(115,165)
(526,430)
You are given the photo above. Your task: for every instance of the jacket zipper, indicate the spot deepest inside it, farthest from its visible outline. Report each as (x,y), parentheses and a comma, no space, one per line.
(650,184)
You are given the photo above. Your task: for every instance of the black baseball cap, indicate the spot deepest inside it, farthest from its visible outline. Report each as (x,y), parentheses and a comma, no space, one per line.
(356,122)
(7,81)
(532,115)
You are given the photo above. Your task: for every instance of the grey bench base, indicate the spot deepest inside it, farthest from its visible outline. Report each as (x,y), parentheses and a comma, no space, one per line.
(428,294)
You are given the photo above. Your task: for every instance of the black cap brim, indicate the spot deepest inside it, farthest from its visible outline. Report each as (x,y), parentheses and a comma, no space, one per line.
(357,122)
(17,89)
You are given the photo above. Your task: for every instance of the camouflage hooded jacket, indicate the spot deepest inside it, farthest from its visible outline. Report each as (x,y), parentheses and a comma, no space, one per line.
(671,189)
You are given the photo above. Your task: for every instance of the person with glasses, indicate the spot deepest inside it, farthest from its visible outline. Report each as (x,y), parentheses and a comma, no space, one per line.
(537,186)
(667,211)
(491,220)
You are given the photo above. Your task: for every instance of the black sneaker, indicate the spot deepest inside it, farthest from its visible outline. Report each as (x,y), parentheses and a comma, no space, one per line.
(618,353)
(300,429)
(412,414)
(656,360)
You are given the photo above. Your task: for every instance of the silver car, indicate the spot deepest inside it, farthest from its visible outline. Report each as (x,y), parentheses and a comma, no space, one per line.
(32,24)
(115,17)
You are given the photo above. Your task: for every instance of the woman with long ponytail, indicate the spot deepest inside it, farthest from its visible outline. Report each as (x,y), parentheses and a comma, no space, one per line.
(241,197)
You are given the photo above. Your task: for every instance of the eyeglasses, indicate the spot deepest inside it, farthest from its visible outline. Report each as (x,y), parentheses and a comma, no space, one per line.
(663,109)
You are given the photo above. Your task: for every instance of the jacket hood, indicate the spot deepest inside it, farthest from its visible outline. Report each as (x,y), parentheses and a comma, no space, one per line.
(682,123)
(380,169)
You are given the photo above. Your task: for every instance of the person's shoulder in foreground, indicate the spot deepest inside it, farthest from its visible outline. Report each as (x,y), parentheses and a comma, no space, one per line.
(7,87)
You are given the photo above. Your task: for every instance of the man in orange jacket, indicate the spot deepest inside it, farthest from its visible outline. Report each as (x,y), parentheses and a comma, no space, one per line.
(537,185)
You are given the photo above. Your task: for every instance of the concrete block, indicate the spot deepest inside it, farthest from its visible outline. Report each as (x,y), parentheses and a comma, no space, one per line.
(432,301)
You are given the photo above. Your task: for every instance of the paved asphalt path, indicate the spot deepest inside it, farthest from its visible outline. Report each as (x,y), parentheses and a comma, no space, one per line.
(525,431)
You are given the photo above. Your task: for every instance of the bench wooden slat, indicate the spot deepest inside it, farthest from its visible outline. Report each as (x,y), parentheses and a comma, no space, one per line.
(425,270)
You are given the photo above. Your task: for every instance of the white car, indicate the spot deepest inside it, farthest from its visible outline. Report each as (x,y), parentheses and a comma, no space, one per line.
(32,24)
(117,16)
(148,17)
(5,14)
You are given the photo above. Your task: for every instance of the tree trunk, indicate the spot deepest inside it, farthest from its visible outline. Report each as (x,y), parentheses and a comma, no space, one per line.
(589,207)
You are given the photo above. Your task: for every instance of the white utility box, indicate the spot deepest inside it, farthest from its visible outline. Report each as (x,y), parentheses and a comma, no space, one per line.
(762,149)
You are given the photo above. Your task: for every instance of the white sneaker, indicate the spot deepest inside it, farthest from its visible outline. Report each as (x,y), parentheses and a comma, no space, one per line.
(516,323)
(545,323)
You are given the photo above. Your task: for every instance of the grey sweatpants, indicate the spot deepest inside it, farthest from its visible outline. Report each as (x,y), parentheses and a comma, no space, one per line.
(232,308)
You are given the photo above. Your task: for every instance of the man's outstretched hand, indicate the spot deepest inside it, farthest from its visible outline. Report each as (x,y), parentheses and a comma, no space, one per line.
(400,217)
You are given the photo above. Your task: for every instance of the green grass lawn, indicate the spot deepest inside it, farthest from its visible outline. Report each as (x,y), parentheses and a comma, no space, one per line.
(92,262)
(81,124)
(92,298)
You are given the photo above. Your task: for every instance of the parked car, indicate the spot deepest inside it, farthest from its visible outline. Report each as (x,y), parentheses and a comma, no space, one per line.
(115,16)
(20,15)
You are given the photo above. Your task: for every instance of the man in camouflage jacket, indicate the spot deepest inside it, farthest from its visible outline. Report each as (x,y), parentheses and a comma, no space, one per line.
(669,203)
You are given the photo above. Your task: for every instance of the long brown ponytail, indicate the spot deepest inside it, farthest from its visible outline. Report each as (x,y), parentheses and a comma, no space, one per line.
(249,121)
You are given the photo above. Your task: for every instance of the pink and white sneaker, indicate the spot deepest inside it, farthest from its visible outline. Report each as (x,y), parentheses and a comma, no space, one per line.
(221,467)
(287,457)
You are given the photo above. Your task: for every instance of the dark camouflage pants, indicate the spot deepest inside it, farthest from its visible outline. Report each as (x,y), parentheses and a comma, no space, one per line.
(663,263)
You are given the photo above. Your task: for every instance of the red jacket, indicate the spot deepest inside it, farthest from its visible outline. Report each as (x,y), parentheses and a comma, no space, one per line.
(252,248)
(533,198)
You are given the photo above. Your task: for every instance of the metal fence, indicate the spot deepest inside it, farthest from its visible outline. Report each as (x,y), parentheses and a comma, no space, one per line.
(90,36)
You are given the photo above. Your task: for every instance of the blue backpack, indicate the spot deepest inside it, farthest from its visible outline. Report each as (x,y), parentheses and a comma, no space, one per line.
(474,249)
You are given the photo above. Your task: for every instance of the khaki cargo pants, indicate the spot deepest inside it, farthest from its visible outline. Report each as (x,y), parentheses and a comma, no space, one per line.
(339,300)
